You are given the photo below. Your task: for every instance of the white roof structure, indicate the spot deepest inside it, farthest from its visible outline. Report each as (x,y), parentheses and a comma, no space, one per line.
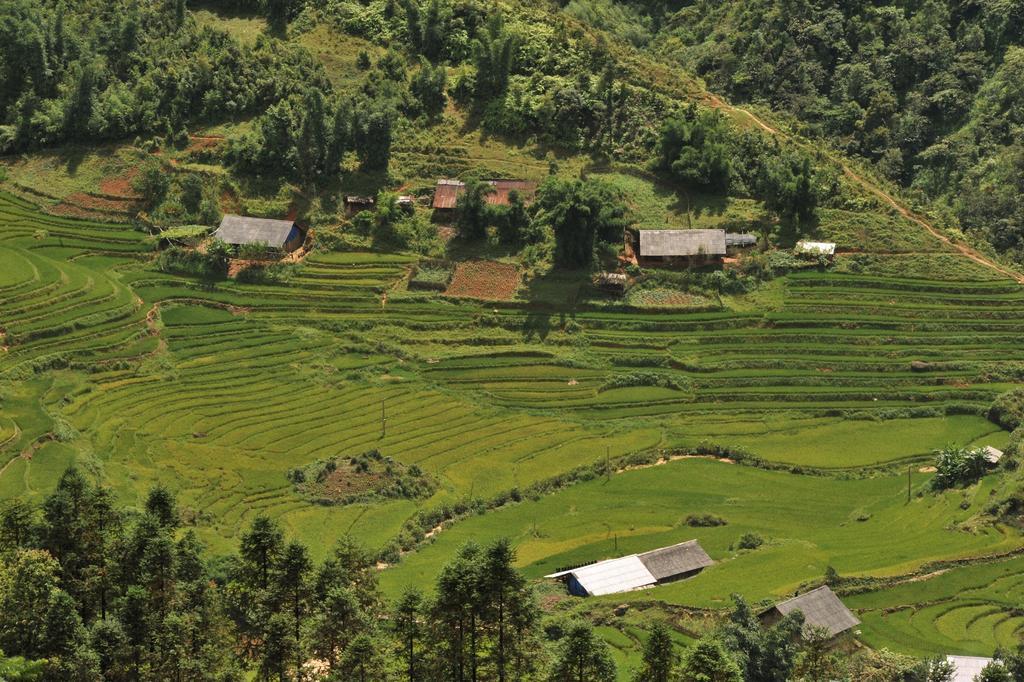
(611,576)
(822,248)
(993,455)
(637,571)
(966,668)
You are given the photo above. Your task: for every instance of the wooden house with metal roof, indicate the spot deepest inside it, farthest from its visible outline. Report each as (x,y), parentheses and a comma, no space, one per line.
(686,246)
(636,571)
(283,235)
(820,607)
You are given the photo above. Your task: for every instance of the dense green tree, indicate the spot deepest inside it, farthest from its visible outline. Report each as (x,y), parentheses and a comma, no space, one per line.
(764,654)
(472,212)
(708,661)
(580,213)
(994,672)
(786,184)
(494,54)
(337,618)
(582,657)
(428,87)
(513,221)
(694,147)
(407,623)
(313,140)
(292,590)
(261,548)
(1013,661)
(659,658)
(371,135)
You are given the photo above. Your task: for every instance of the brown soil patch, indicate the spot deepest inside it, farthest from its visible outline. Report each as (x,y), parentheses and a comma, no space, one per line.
(236,265)
(98,203)
(121,185)
(198,143)
(927,470)
(484,279)
(346,480)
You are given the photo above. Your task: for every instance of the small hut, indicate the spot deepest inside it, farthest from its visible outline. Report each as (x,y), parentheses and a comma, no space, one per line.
(354,204)
(283,235)
(612,282)
(821,608)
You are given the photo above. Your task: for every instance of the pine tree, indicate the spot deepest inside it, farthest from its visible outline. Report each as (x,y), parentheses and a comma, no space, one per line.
(582,656)
(260,549)
(658,656)
(292,591)
(408,629)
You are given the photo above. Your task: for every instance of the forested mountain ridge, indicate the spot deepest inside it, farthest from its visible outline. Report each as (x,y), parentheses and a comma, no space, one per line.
(929,92)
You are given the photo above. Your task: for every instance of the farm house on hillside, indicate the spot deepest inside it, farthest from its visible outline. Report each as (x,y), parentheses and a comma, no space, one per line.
(821,608)
(687,247)
(636,571)
(446,194)
(237,230)
(967,668)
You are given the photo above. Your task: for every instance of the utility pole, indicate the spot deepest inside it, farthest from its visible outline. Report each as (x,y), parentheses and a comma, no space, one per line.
(607,464)
(383,421)
(909,467)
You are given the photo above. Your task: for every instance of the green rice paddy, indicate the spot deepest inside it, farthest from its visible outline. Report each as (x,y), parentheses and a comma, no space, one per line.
(218,389)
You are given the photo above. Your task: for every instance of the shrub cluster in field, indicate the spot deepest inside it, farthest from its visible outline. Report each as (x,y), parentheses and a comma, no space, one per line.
(362,478)
(958,466)
(211,264)
(657,379)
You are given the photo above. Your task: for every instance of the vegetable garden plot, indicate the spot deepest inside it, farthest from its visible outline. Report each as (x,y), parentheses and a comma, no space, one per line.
(489,280)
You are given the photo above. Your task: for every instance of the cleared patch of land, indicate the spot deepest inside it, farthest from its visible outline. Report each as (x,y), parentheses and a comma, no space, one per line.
(489,280)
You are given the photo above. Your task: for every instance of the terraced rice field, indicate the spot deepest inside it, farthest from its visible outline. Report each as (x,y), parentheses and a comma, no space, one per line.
(218,389)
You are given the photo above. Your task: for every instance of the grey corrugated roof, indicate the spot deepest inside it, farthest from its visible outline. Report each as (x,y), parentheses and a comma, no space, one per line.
(967,668)
(669,562)
(822,608)
(682,242)
(236,229)
(740,239)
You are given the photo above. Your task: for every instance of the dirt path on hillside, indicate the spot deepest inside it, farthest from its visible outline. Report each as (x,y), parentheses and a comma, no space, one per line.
(718,103)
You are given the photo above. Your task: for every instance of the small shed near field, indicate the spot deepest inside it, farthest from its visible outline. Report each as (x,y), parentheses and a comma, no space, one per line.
(821,608)
(447,192)
(237,230)
(967,668)
(636,571)
(614,282)
(993,455)
(354,204)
